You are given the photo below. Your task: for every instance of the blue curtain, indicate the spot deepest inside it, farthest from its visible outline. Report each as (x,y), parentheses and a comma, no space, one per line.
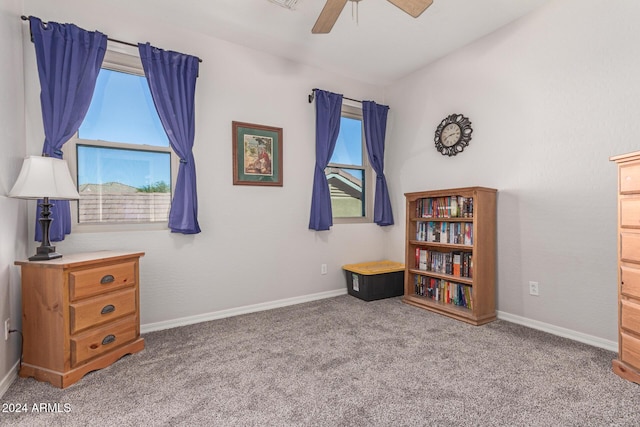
(69,60)
(172,80)
(328,113)
(375,127)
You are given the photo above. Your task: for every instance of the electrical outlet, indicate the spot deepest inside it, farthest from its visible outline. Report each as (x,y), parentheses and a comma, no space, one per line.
(533,288)
(323,269)
(7,327)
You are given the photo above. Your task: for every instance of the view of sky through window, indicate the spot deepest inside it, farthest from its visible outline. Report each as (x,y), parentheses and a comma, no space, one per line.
(100,165)
(348,149)
(122,111)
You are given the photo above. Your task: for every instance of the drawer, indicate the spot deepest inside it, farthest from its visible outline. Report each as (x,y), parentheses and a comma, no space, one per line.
(103,339)
(630,178)
(630,212)
(630,316)
(630,247)
(630,281)
(101,309)
(95,281)
(630,350)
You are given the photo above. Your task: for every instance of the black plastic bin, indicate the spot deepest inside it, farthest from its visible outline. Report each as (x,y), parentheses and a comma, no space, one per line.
(371,281)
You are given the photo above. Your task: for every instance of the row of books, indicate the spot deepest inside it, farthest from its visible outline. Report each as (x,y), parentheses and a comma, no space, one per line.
(460,233)
(445,207)
(458,264)
(444,291)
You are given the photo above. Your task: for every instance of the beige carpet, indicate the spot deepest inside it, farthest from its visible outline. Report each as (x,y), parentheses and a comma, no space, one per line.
(344,362)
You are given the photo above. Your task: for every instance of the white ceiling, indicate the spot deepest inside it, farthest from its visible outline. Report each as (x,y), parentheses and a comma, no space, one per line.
(385,45)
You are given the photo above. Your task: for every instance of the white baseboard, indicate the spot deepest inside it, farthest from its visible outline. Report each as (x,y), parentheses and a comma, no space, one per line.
(9,379)
(190,320)
(562,332)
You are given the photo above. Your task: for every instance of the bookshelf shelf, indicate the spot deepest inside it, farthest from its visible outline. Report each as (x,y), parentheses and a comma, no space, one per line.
(441,274)
(441,306)
(453,246)
(459,279)
(439,219)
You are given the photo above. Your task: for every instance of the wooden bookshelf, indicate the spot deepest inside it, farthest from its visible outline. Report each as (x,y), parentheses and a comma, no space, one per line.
(451,252)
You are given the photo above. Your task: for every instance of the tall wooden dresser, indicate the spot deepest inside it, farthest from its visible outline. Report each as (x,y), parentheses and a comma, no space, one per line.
(80,313)
(627,365)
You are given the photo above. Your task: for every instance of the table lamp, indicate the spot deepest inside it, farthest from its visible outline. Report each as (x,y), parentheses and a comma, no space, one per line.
(44,178)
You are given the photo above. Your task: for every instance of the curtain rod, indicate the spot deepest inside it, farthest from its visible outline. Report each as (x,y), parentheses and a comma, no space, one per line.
(312,95)
(26,18)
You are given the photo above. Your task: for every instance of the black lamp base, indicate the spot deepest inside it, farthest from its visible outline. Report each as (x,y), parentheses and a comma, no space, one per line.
(45,253)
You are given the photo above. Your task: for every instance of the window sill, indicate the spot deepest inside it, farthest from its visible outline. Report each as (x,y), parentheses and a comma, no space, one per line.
(119,227)
(347,220)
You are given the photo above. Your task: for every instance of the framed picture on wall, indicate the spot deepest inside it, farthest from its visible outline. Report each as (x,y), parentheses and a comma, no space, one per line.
(257,154)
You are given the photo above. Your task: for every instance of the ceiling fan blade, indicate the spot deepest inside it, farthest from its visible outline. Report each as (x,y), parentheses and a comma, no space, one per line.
(412,7)
(328,16)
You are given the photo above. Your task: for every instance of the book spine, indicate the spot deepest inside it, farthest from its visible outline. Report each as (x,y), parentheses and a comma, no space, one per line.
(468,233)
(456,263)
(423,259)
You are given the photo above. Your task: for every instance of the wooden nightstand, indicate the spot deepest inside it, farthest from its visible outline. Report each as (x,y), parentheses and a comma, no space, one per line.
(80,313)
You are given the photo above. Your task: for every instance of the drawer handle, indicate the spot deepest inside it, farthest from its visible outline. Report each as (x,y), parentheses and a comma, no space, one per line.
(107,279)
(108,309)
(108,339)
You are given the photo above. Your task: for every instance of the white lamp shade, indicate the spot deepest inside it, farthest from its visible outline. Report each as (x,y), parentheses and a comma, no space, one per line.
(44,177)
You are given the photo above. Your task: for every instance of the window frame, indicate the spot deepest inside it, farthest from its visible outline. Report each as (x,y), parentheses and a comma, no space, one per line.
(125,59)
(354,111)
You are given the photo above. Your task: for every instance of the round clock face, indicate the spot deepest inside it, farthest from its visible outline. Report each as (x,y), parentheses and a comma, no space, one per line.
(453,134)
(450,135)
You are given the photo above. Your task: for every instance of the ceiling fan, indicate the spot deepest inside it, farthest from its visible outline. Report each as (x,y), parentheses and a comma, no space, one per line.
(332,9)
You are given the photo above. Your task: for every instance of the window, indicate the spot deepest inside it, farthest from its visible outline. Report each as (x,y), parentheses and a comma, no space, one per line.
(348,172)
(123,161)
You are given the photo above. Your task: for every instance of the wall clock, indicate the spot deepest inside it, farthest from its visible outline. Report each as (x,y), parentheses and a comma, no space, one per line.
(453,134)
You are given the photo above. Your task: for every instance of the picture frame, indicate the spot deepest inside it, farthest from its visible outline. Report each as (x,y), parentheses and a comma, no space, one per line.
(257,154)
